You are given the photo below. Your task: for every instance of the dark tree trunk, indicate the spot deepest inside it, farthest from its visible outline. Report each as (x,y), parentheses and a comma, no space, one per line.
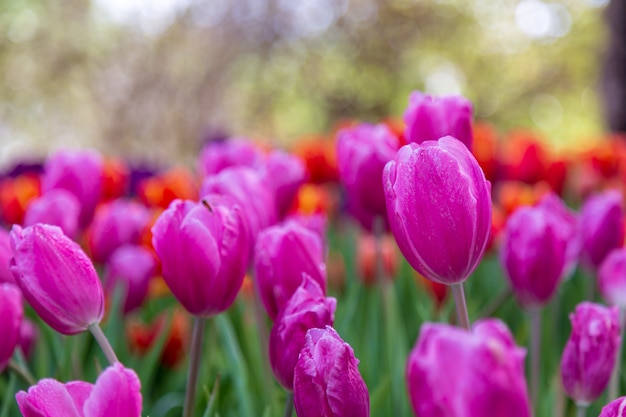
(614,73)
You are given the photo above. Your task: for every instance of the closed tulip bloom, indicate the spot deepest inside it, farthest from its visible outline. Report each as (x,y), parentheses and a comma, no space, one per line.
(115,224)
(11,313)
(602,226)
(616,408)
(533,255)
(612,278)
(314,222)
(219,155)
(115,393)
(282,254)
(285,174)
(327,382)
(80,173)
(308,308)
(439,207)
(5,257)
(589,355)
(57,208)
(57,278)
(29,334)
(131,267)
(362,152)
(204,250)
(430,118)
(452,372)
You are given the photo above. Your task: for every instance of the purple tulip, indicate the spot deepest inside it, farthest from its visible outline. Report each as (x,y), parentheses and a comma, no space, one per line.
(219,155)
(327,382)
(247,188)
(602,226)
(131,266)
(316,223)
(362,152)
(57,208)
(115,224)
(439,207)
(282,254)
(308,308)
(80,173)
(430,118)
(616,408)
(534,253)
(285,174)
(115,393)
(29,333)
(204,251)
(5,257)
(452,372)
(612,278)
(57,278)
(590,352)
(11,313)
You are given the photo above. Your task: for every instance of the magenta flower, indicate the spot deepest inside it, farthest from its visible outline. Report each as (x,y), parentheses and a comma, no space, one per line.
(285,174)
(11,313)
(219,155)
(602,226)
(57,278)
(115,393)
(314,222)
(204,251)
(115,224)
(29,334)
(282,254)
(452,372)
(439,207)
(130,267)
(612,278)
(534,253)
(430,118)
(589,355)
(308,308)
(616,408)
(80,173)
(5,257)
(327,382)
(57,208)
(362,152)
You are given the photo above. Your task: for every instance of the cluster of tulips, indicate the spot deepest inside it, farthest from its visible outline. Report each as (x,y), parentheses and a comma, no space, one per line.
(252,220)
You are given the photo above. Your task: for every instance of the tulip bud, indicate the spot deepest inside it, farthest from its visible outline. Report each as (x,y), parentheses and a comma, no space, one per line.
(308,308)
(533,254)
(327,382)
(589,355)
(616,408)
(439,207)
(612,278)
(367,258)
(57,278)
(56,208)
(430,118)
(219,155)
(11,313)
(453,372)
(314,222)
(131,267)
(602,226)
(362,152)
(29,333)
(204,250)
(5,257)
(282,254)
(285,174)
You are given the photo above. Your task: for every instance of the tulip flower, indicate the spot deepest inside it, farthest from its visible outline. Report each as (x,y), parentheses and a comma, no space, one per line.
(57,278)
(452,372)
(362,152)
(285,174)
(314,222)
(11,313)
(115,224)
(308,308)
(327,382)
(29,334)
(131,266)
(612,278)
(589,355)
(282,254)
(57,208)
(115,393)
(219,155)
(430,118)
(602,226)
(366,258)
(80,173)
(5,257)
(616,408)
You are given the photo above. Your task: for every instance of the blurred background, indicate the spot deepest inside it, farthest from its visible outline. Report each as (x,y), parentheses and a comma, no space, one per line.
(154,79)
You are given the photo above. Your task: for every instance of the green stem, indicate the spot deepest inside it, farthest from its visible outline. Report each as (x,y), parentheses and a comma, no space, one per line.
(288,405)
(496,303)
(581,410)
(535,351)
(102,340)
(194,365)
(614,384)
(22,372)
(461,306)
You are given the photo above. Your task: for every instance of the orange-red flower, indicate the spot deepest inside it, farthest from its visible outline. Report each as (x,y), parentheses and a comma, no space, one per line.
(15,195)
(161,190)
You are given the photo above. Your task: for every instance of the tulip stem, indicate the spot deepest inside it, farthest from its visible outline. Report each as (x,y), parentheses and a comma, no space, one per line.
(288,405)
(461,306)
(535,350)
(614,384)
(194,365)
(22,372)
(581,410)
(102,340)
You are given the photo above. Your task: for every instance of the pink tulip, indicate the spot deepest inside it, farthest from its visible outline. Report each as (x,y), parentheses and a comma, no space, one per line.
(219,155)
(616,408)
(602,226)
(57,278)
(130,267)
(612,278)
(285,174)
(29,334)
(11,313)
(5,257)
(57,208)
